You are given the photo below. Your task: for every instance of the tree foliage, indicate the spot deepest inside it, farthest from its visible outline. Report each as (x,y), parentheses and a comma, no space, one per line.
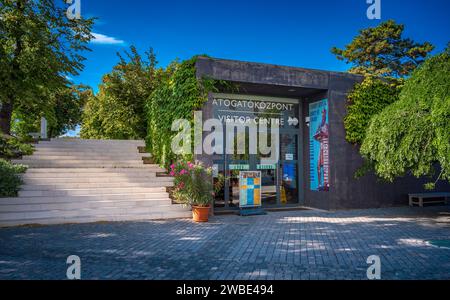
(11,147)
(412,135)
(39,47)
(118,110)
(366,100)
(63,112)
(10,180)
(383,51)
(384,58)
(67,109)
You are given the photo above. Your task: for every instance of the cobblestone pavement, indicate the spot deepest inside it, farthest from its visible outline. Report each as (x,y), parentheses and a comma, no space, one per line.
(280,245)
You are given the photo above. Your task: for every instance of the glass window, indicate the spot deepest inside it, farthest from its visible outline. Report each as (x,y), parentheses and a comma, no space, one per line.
(219,200)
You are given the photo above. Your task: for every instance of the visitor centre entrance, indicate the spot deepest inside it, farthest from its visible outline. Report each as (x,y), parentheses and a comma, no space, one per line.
(280,179)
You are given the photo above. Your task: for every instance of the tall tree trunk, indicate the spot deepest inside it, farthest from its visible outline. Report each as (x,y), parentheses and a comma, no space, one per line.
(5,117)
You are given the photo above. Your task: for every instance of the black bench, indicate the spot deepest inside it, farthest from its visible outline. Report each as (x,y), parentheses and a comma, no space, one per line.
(420,199)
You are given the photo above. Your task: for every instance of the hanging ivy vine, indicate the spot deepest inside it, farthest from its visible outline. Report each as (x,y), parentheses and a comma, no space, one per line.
(367,99)
(178,94)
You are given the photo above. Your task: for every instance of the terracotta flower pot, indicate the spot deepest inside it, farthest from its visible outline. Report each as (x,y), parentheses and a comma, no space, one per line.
(200,213)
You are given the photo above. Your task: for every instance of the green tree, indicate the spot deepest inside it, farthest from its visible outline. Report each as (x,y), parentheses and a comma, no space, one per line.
(412,135)
(385,59)
(366,100)
(118,110)
(63,112)
(68,109)
(39,47)
(383,51)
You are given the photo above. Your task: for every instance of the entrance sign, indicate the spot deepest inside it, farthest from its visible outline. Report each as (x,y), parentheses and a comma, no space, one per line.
(266,167)
(239,167)
(319,163)
(250,189)
(256,110)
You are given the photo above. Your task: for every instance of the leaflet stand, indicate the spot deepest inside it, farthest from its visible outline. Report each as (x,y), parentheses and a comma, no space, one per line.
(252,211)
(250,193)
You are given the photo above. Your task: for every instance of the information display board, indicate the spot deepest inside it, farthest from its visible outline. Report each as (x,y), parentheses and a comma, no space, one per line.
(250,189)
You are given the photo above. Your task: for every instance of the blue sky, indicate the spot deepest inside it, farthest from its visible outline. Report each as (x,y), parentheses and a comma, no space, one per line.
(295,33)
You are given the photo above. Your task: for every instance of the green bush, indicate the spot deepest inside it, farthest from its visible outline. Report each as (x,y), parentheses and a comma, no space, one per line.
(10,179)
(194,184)
(117,111)
(366,100)
(11,147)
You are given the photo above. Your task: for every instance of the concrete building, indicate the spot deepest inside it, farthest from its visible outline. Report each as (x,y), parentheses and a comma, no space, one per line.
(317,165)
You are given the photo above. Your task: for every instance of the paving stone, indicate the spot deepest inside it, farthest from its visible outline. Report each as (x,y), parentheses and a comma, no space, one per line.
(281,245)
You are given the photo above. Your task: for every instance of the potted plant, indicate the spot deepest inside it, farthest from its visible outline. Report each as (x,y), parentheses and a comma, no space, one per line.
(194,186)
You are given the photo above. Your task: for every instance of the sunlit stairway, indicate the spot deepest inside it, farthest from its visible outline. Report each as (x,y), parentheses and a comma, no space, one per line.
(77,181)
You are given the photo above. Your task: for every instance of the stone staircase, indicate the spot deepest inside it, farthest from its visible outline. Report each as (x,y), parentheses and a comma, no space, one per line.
(77,181)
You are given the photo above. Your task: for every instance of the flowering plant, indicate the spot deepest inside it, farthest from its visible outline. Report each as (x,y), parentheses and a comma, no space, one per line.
(194,183)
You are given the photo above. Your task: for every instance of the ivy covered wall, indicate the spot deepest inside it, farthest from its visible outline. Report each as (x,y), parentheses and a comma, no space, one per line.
(367,99)
(177,95)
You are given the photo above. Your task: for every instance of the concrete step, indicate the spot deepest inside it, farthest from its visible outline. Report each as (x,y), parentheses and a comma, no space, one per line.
(88,156)
(93,142)
(106,150)
(87,192)
(85,147)
(106,171)
(88,212)
(77,181)
(93,179)
(81,148)
(100,218)
(65,174)
(83,205)
(83,198)
(97,165)
(89,177)
(96,185)
(84,150)
(85,141)
(74,161)
(82,164)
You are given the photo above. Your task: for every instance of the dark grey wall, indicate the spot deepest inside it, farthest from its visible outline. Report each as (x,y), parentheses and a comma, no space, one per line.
(256,73)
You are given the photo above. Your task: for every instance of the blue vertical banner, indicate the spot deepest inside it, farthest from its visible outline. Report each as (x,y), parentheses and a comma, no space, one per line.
(319,164)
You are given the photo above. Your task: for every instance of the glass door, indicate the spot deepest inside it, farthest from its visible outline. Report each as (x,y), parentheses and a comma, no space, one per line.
(279,180)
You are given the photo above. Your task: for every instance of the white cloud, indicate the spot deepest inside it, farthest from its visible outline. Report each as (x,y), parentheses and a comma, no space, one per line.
(105,40)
